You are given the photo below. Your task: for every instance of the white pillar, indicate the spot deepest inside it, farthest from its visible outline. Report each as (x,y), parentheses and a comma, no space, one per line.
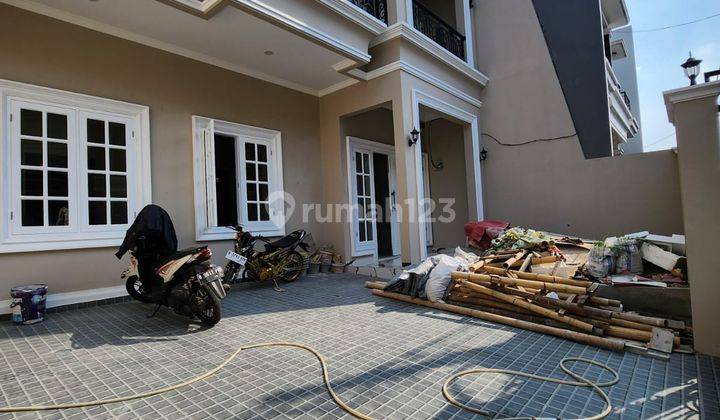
(408,165)
(694,112)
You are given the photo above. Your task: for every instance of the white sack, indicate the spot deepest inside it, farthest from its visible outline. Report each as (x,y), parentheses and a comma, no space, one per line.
(440,277)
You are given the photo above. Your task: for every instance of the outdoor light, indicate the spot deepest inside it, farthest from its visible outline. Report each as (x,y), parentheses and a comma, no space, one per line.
(483,154)
(414,137)
(692,68)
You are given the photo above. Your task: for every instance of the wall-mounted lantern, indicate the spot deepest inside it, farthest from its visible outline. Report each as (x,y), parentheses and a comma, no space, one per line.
(692,68)
(414,137)
(483,154)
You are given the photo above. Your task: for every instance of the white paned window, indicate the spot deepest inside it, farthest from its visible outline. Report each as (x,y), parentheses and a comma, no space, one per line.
(238,179)
(75,169)
(362,197)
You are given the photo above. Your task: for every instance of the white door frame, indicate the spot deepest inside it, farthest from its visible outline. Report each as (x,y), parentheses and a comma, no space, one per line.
(426,191)
(355,143)
(472,161)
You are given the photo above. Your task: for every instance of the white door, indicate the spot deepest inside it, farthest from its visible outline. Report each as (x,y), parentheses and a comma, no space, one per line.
(363,193)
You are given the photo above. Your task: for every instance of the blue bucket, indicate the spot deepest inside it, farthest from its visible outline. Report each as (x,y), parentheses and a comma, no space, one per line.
(28,303)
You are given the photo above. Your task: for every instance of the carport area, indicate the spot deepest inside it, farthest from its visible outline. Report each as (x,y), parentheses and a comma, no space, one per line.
(386,358)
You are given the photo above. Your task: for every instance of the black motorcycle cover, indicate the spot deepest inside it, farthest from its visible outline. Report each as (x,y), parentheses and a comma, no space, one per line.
(152,220)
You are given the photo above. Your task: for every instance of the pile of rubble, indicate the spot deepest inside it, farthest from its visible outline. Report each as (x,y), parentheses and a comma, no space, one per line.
(639,259)
(530,280)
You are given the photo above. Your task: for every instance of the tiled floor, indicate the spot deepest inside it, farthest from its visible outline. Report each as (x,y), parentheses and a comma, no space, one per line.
(386,358)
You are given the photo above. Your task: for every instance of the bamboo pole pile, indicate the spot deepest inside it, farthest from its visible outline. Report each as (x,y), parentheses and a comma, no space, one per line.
(559,302)
(502,288)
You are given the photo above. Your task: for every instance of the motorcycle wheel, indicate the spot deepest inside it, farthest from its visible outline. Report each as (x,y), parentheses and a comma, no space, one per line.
(212,312)
(136,290)
(292,266)
(231,270)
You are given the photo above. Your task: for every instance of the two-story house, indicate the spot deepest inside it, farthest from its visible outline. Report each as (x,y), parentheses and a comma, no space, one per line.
(287,114)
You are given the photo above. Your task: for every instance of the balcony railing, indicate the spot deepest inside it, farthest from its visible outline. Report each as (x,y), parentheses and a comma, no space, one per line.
(626,98)
(438,30)
(376,8)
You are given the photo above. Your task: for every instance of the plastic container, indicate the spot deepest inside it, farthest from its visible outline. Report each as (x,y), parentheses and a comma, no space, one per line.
(313,268)
(28,303)
(325,268)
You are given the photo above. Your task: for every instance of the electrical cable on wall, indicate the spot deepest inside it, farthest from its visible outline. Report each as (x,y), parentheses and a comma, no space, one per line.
(439,165)
(540,140)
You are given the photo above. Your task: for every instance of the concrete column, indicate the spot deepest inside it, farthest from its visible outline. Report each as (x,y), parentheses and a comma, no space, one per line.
(694,111)
(409,179)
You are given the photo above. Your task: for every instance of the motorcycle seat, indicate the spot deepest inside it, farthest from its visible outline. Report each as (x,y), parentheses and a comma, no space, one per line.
(285,241)
(177,255)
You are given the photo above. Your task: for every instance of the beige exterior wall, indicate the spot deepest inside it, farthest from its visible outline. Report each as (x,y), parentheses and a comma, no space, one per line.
(447,145)
(42,51)
(374,125)
(549,185)
(349,101)
(446,140)
(696,119)
(397,89)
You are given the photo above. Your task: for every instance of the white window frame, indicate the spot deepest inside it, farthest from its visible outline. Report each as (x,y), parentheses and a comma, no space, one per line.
(79,234)
(204,130)
(366,246)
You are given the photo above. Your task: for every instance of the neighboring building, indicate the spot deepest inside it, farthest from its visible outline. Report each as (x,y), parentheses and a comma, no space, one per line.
(578,37)
(212,108)
(622,47)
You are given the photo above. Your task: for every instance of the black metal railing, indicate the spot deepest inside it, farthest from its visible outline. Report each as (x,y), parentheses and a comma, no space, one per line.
(376,8)
(710,74)
(625,98)
(435,28)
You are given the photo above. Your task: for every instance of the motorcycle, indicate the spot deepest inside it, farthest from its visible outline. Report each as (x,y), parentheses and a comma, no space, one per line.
(184,281)
(279,261)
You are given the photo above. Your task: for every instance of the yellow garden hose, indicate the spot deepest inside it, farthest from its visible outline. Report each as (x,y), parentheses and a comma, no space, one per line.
(338,401)
(584,382)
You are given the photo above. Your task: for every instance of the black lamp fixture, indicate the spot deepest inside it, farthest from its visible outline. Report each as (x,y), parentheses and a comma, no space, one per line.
(414,137)
(483,154)
(692,68)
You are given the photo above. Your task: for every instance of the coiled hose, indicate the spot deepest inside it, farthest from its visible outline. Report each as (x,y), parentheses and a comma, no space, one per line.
(326,379)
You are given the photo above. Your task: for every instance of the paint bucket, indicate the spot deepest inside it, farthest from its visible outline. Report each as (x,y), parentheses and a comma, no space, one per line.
(28,303)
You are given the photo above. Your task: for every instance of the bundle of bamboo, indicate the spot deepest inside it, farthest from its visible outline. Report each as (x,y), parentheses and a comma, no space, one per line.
(499,289)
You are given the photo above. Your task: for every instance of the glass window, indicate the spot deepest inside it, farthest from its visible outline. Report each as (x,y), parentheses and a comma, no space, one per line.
(72,171)
(107,176)
(245,172)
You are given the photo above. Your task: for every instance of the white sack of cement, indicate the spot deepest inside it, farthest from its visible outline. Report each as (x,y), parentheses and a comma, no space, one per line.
(466,258)
(440,277)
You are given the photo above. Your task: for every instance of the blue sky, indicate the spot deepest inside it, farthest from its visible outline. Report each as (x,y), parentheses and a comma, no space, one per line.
(659,54)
